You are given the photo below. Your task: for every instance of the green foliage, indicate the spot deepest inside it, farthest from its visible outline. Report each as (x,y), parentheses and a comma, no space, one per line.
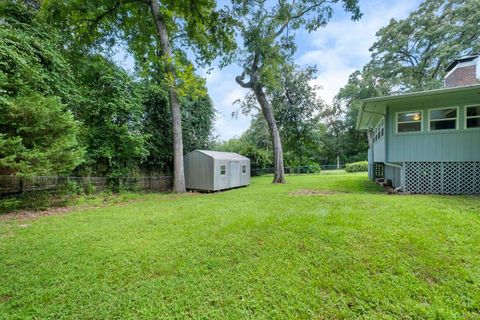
(38,137)
(197,26)
(30,57)
(70,187)
(413,53)
(297,107)
(198,115)
(112,116)
(359,166)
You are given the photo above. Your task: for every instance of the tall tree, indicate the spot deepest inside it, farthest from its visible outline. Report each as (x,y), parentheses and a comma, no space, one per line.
(297,108)
(412,53)
(38,134)
(198,114)
(156,43)
(268,33)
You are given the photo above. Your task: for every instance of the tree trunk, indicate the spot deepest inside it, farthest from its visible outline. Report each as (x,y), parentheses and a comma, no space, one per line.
(279,175)
(338,161)
(178,173)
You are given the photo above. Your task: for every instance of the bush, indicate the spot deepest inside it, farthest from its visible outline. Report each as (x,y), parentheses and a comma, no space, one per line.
(360,166)
(314,167)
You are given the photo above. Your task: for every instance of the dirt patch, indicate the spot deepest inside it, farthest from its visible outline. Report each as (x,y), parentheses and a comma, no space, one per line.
(5,298)
(34,214)
(311,192)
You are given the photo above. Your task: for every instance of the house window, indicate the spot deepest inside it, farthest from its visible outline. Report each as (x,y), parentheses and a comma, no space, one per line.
(410,121)
(244,169)
(473,117)
(223,170)
(379,131)
(443,119)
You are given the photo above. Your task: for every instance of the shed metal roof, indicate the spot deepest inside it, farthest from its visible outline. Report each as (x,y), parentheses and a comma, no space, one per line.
(373,109)
(223,155)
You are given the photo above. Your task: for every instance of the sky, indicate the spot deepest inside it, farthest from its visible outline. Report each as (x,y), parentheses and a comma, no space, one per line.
(337,50)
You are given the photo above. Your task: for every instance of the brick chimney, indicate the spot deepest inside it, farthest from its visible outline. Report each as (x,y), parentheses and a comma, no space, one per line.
(463,72)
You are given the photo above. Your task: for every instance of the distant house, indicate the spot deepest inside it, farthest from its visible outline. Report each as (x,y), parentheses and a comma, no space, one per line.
(213,170)
(429,141)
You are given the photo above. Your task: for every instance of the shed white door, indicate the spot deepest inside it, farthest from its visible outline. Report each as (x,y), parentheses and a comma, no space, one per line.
(234,174)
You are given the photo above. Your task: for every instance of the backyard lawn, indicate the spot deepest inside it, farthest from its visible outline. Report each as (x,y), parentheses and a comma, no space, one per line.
(322,247)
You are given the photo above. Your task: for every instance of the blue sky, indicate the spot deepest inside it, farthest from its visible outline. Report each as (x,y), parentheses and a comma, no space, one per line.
(337,50)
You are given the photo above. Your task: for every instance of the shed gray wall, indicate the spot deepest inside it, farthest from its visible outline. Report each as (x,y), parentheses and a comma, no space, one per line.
(455,145)
(198,171)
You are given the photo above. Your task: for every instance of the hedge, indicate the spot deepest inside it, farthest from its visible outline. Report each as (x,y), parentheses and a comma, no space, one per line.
(360,166)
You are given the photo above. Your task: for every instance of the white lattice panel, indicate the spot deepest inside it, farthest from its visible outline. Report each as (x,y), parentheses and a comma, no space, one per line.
(442,177)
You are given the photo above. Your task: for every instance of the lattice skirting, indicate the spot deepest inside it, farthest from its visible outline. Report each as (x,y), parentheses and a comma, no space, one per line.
(443,177)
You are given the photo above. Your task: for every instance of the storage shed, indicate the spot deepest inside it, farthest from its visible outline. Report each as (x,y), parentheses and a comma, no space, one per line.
(214,170)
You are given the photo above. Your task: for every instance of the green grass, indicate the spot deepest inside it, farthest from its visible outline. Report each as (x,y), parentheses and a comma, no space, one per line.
(258,252)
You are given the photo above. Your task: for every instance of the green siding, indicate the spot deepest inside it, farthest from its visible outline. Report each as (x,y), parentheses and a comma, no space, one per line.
(453,145)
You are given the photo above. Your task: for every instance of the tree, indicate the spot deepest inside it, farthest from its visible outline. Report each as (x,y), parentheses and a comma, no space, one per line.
(111,113)
(38,135)
(413,53)
(155,43)
(269,42)
(198,114)
(297,108)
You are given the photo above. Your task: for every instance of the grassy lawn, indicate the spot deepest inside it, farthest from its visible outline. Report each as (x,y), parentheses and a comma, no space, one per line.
(346,251)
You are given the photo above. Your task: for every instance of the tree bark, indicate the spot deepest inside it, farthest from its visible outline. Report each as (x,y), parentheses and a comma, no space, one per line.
(279,171)
(178,172)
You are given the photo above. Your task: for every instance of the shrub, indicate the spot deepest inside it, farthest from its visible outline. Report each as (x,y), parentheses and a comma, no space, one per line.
(89,188)
(360,166)
(314,167)
(10,204)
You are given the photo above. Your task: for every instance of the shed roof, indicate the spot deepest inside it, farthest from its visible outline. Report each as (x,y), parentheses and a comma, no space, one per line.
(223,155)
(373,109)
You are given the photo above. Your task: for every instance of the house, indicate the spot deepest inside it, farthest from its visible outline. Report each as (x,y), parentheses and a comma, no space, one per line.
(214,171)
(429,141)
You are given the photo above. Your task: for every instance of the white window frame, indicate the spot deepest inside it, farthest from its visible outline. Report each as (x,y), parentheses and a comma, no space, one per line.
(471,117)
(224,170)
(398,122)
(443,108)
(377,131)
